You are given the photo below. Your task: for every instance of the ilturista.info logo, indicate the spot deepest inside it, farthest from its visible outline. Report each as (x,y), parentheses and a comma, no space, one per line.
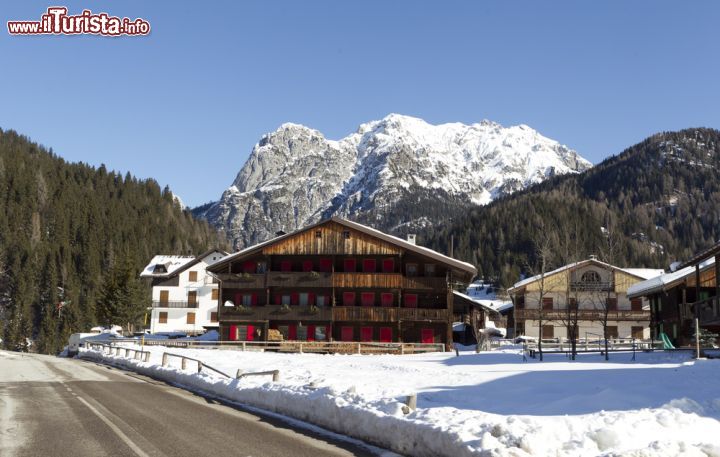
(57,22)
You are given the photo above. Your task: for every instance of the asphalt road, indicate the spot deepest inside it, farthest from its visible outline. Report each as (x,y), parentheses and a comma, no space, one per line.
(58,407)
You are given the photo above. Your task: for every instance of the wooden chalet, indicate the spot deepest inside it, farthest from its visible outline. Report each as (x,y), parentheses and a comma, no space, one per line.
(338,281)
(677,298)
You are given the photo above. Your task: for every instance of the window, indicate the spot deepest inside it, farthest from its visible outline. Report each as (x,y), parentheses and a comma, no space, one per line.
(636,304)
(411,300)
(304,299)
(247,300)
(318,233)
(366,333)
(348,298)
(261,267)
(346,234)
(548,331)
(213,316)
(192,276)
(386,299)
(192,298)
(190,318)
(385,334)
(285,300)
(367,298)
(283,329)
(429,269)
(349,265)
(302,333)
(346,333)
(369,265)
(214,294)
(326,265)
(307,265)
(519,328)
(547,303)
(611,304)
(164,297)
(388,265)
(520,302)
(612,332)
(637,332)
(322,300)
(285,265)
(411,269)
(320,333)
(162,317)
(592,277)
(427,335)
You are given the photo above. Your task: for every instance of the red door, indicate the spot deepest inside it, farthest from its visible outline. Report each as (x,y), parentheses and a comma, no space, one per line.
(411,300)
(369,265)
(367,298)
(307,265)
(348,298)
(285,265)
(326,265)
(250,333)
(233,333)
(385,334)
(292,332)
(366,333)
(427,335)
(349,265)
(346,333)
(249,267)
(388,265)
(311,333)
(386,299)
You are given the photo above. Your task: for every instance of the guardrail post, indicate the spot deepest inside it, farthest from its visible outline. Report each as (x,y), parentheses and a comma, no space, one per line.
(164,359)
(147,357)
(410,404)
(200,365)
(276,376)
(239,373)
(183,363)
(127,352)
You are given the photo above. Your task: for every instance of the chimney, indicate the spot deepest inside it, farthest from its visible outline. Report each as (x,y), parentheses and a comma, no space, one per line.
(593,257)
(411,238)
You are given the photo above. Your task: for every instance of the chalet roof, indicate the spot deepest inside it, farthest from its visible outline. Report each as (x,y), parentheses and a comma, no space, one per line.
(494,306)
(641,273)
(711,251)
(666,281)
(174,264)
(457,264)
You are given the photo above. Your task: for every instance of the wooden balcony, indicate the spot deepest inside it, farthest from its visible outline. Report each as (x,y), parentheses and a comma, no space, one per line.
(368,280)
(173,304)
(291,279)
(276,312)
(583,314)
(242,281)
(424,283)
(381,314)
(585,286)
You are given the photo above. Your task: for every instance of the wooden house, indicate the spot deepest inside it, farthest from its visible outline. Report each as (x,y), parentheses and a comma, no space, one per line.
(678,297)
(339,281)
(590,288)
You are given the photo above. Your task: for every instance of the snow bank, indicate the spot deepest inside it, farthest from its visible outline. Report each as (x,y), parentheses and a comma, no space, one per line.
(462,413)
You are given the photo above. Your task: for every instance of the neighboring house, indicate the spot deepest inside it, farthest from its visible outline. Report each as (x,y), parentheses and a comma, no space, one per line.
(590,286)
(339,281)
(184,296)
(678,297)
(472,316)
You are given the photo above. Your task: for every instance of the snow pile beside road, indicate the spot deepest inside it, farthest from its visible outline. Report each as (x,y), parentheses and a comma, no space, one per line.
(469,405)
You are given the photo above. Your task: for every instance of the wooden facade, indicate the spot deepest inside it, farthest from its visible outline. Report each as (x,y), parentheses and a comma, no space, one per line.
(339,281)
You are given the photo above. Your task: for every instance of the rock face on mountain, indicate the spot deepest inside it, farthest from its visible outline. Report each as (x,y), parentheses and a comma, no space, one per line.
(396,172)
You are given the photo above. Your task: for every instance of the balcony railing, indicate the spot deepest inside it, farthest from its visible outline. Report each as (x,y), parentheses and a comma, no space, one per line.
(424,282)
(583,314)
(242,281)
(173,304)
(292,279)
(708,311)
(587,286)
(336,313)
(380,314)
(298,279)
(277,313)
(368,280)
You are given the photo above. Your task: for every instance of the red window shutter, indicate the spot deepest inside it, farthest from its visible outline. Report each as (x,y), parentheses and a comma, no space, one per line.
(253,299)
(250,333)
(388,265)
(233,333)
(347,333)
(249,267)
(311,298)
(311,333)
(278,299)
(411,300)
(285,265)
(326,265)
(348,298)
(292,332)
(349,265)
(369,265)
(294,298)
(238,298)
(385,334)
(386,299)
(367,298)
(366,333)
(307,265)
(327,332)
(427,335)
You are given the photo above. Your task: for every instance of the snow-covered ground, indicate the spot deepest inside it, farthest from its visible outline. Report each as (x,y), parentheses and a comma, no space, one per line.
(491,403)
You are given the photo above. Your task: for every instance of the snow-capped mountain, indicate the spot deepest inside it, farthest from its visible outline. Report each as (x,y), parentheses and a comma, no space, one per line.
(396,171)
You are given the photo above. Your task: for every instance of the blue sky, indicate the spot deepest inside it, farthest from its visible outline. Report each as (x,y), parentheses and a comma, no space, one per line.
(186,104)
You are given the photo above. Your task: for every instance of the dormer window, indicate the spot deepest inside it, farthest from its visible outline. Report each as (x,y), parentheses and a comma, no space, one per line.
(159,268)
(591,277)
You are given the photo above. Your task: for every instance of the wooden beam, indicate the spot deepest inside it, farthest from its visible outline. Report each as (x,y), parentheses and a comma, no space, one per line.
(697,290)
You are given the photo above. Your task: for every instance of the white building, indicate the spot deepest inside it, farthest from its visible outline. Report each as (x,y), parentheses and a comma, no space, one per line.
(184,295)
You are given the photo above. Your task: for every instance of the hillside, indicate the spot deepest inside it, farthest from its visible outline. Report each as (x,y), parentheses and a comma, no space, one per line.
(398,174)
(659,198)
(72,240)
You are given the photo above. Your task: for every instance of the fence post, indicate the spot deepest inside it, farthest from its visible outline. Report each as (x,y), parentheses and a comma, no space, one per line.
(183,363)
(410,404)
(243,346)
(300,348)
(127,353)
(238,375)
(200,365)
(276,376)
(147,357)
(402,349)
(164,359)
(359,348)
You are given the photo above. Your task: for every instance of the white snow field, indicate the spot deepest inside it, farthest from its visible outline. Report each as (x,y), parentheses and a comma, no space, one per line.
(491,403)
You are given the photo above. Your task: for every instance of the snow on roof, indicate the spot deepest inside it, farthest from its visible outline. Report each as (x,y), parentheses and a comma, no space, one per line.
(492,305)
(666,280)
(170,262)
(645,273)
